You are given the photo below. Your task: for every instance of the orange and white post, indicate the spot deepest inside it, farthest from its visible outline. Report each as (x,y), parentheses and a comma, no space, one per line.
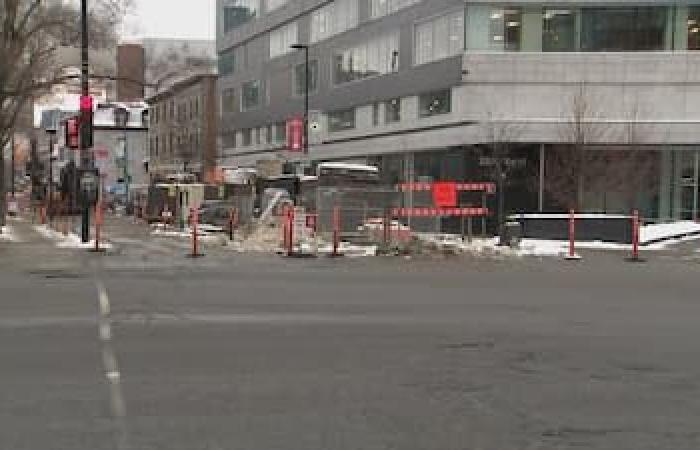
(99,219)
(571,254)
(336,231)
(636,224)
(194,221)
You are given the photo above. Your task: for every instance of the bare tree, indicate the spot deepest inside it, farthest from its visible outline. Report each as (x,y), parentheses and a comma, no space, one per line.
(31,32)
(499,138)
(628,170)
(574,164)
(582,164)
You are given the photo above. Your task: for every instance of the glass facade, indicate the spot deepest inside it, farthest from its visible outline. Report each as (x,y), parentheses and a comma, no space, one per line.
(238,12)
(624,29)
(375,57)
(334,18)
(559,30)
(380,8)
(595,28)
(693,30)
(439,38)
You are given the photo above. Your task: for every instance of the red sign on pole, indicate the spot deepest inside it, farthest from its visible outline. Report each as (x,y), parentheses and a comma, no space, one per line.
(295,135)
(445,194)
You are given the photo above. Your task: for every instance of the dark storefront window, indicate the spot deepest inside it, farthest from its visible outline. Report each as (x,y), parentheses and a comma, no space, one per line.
(624,29)
(694,28)
(435,103)
(559,30)
(393,111)
(341,120)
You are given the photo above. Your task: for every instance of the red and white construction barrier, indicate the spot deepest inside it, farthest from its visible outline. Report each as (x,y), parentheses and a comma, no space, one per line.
(426,187)
(440,212)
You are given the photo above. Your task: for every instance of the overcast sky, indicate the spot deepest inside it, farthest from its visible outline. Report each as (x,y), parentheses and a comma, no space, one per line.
(187,19)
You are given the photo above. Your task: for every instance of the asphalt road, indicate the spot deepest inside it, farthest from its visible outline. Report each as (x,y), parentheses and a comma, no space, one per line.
(139,349)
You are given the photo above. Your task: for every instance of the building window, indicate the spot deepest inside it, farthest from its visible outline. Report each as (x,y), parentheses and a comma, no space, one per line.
(439,38)
(694,28)
(641,28)
(251,95)
(281,133)
(268,134)
(256,135)
(504,29)
(300,82)
(271,5)
(334,18)
(392,111)
(228,100)
(341,120)
(238,12)
(376,57)
(379,8)
(229,139)
(247,137)
(282,38)
(227,62)
(435,103)
(558,30)
(375,114)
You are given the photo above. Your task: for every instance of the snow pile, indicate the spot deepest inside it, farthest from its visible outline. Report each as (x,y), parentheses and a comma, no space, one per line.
(665,231)
(7,234)
(75,242)
(46,232)
(71,240)
(265,239)
(204,234)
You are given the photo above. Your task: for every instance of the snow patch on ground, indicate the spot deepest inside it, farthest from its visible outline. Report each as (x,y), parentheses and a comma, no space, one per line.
(186,233)
(539,247)
(655,232)
(71,240)
(7,234)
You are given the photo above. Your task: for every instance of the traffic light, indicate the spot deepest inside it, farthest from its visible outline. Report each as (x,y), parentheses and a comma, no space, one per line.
(86,121)
(73,133)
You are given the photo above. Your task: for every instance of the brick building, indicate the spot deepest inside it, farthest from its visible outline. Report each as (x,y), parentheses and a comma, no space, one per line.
(131,72)
(184,127)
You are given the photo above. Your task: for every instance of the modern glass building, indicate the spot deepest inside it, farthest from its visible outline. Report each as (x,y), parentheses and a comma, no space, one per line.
(429,89)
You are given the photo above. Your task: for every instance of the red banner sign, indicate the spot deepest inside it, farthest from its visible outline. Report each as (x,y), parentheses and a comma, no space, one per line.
(295,135)
(445,194)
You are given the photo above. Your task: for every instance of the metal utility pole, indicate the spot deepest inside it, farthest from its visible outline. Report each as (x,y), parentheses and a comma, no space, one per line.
(307,85)
(85,161)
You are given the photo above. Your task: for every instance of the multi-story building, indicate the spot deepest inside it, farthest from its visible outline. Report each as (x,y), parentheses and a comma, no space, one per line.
(587,103)
(183,133)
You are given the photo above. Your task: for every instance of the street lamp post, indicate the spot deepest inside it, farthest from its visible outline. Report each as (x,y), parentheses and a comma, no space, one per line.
(307,82)
(85,161)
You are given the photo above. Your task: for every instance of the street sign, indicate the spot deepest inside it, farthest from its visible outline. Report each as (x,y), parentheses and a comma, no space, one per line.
(511,163)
